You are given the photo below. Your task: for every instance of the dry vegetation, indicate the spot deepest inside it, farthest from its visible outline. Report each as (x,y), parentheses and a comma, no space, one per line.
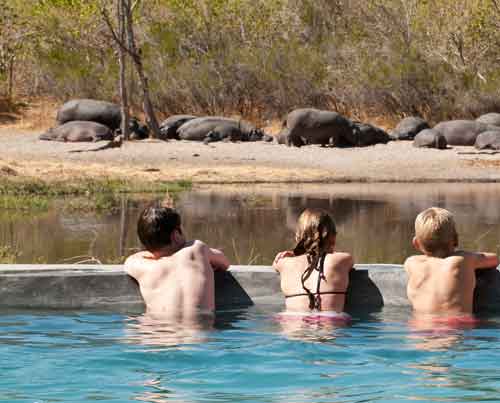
(261,58)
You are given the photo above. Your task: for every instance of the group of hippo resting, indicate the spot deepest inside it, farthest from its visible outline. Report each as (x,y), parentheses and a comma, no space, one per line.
(91,120)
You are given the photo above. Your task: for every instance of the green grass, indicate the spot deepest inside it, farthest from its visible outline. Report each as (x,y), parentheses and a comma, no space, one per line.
(35,195)
(32,203)
(86,187)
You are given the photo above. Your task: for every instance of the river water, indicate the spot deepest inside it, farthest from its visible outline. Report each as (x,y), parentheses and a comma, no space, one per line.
(252,223)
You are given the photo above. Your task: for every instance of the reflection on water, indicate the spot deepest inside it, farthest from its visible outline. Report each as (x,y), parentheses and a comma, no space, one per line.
(160,332)
(310,328)
(375,221)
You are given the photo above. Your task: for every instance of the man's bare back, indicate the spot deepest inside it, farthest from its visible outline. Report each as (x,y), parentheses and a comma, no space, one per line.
(445,286)
(176,278)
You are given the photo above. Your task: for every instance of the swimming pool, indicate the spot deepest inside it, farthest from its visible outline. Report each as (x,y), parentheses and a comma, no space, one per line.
(243,356)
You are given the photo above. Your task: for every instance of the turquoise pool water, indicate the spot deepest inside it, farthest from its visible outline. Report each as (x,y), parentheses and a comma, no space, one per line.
(244,356)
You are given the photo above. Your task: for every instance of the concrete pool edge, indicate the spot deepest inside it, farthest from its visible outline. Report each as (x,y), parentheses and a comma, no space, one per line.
(372,286)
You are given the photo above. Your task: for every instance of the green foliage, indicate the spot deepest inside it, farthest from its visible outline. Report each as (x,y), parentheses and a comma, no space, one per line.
(264,57)
(8,255)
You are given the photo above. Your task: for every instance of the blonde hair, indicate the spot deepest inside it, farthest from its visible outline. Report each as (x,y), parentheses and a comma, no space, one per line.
(314,229)
(435,229)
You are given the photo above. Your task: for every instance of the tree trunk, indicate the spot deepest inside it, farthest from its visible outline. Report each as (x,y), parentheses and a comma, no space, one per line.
(151,120)
(120,9)
(10,87)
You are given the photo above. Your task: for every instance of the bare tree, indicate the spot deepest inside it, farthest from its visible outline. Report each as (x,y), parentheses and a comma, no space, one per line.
(130,47)
(123,69)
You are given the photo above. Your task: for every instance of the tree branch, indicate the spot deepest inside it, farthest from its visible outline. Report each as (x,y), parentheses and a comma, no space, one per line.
(118,41)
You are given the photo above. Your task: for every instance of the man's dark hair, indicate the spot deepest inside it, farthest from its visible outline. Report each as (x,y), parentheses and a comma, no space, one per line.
(155,226)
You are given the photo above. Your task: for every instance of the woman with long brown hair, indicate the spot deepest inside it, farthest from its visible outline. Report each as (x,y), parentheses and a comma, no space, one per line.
(313,276)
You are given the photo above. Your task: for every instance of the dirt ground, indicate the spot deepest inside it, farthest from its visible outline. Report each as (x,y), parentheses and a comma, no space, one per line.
(23,155)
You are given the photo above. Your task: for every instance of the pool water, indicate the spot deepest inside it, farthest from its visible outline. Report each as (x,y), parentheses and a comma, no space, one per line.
(243,356)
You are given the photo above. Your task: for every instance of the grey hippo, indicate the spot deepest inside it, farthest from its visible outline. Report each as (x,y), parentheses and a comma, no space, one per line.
(408,128)
(78,131)
(492,118)
(103,112)
(462,132)
(430,138)
(216,128)
(368,135)
(169,127)
(314,126)
(488,139)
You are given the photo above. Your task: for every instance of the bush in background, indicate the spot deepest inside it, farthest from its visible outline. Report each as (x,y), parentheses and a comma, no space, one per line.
(261,58)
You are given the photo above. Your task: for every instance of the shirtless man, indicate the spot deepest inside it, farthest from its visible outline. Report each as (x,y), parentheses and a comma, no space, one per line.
(176,278)
(441,281)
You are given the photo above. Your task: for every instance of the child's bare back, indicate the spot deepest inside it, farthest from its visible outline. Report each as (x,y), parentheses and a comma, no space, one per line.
(176,278)
(442,280)
(182,282)
(313,276)
(333,285)
(444,286)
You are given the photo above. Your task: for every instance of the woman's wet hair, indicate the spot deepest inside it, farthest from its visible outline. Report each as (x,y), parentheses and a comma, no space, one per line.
(155,226)
(313,236)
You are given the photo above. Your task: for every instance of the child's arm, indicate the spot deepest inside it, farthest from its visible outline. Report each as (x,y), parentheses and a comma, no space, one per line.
(481,260)
(136,264)
(279,257)
(345,261)
(217,259)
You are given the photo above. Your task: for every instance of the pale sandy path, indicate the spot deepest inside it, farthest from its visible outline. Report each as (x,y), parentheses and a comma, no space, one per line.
(243,162)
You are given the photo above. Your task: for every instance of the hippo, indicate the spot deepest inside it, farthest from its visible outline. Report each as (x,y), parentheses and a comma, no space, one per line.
(462,132)
(490,119)
(368,135)
(430,138)
(215,128)
(408,128)
(137,130)
(314,126)
(169,127)
(78,131)
(103,112)
(488,139)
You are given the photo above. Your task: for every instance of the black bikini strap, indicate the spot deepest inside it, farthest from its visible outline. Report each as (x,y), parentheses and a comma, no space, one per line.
(303,294)
(321,276)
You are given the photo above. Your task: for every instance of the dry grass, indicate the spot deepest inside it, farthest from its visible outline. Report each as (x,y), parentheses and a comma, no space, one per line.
(481,163)
(39,114)
(71,171)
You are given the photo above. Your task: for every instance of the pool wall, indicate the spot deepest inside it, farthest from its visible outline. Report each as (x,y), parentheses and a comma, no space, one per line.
(109,287)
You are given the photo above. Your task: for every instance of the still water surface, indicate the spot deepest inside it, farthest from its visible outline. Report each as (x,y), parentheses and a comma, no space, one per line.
(375,221)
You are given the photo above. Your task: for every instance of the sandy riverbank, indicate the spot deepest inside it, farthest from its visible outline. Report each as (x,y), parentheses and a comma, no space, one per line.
(23,155)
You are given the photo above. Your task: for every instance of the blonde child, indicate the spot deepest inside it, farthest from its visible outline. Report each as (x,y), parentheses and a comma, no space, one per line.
(441,281)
